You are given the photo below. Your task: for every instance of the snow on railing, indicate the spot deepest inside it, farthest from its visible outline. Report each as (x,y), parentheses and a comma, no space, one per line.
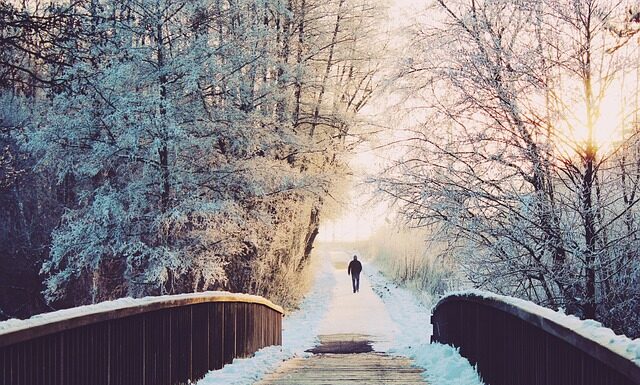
(516,341)
(10,330)
(588,328)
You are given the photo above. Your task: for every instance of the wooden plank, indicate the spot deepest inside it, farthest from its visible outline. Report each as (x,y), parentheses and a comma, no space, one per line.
(180,344)
(338,369)
(338,365)
(241,331)
(216,336)
(157,360)
(126,358)
(199,340)
(229,329)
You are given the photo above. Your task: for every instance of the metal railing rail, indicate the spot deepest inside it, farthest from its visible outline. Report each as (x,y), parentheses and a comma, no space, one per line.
(511,345)
(166,340)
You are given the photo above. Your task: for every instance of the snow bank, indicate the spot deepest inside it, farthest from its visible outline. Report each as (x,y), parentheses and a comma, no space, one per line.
(590,329)
(443,364)
(299,332)
(14,325)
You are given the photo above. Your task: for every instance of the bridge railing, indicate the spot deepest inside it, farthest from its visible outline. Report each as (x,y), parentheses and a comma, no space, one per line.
(517,342)
(165,340)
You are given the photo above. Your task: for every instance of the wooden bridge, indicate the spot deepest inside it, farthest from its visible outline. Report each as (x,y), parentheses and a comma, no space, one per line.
(177,339)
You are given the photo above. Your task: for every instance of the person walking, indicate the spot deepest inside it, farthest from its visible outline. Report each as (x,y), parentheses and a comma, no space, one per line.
(355,267)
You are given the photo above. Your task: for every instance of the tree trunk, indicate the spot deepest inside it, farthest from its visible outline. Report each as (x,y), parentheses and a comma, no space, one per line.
(163,151)
(325,78)
(298,85)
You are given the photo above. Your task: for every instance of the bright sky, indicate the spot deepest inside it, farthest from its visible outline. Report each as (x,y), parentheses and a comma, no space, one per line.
(362,216)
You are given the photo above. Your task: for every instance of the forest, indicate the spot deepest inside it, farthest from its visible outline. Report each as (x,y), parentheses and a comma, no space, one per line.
(164,146)
(151,147)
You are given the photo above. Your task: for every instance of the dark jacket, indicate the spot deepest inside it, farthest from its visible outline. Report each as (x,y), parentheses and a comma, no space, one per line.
(355,267)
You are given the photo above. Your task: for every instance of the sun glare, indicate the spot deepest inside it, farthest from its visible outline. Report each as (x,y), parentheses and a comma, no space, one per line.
(605,132)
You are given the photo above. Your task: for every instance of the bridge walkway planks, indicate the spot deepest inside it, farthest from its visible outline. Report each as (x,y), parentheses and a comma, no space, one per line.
(343,360)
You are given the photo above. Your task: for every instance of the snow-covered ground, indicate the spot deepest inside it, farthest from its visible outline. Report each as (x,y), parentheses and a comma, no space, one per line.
(392,316)
(442,363)
(361,313)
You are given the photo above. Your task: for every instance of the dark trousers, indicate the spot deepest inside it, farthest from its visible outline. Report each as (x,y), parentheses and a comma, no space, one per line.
(355,279)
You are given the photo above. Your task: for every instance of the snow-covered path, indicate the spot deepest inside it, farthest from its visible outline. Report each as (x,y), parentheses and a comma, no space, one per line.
(391,317)
(356,313)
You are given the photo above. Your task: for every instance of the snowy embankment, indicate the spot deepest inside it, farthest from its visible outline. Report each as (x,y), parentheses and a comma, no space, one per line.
(299,333)
(589,328)
(442,363)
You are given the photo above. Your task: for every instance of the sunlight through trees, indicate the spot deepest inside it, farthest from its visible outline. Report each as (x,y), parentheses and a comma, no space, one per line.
(527,157)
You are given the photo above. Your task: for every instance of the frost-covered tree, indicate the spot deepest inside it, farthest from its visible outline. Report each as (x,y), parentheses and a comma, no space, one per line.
(30,61)
(515,160)
(196,141)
